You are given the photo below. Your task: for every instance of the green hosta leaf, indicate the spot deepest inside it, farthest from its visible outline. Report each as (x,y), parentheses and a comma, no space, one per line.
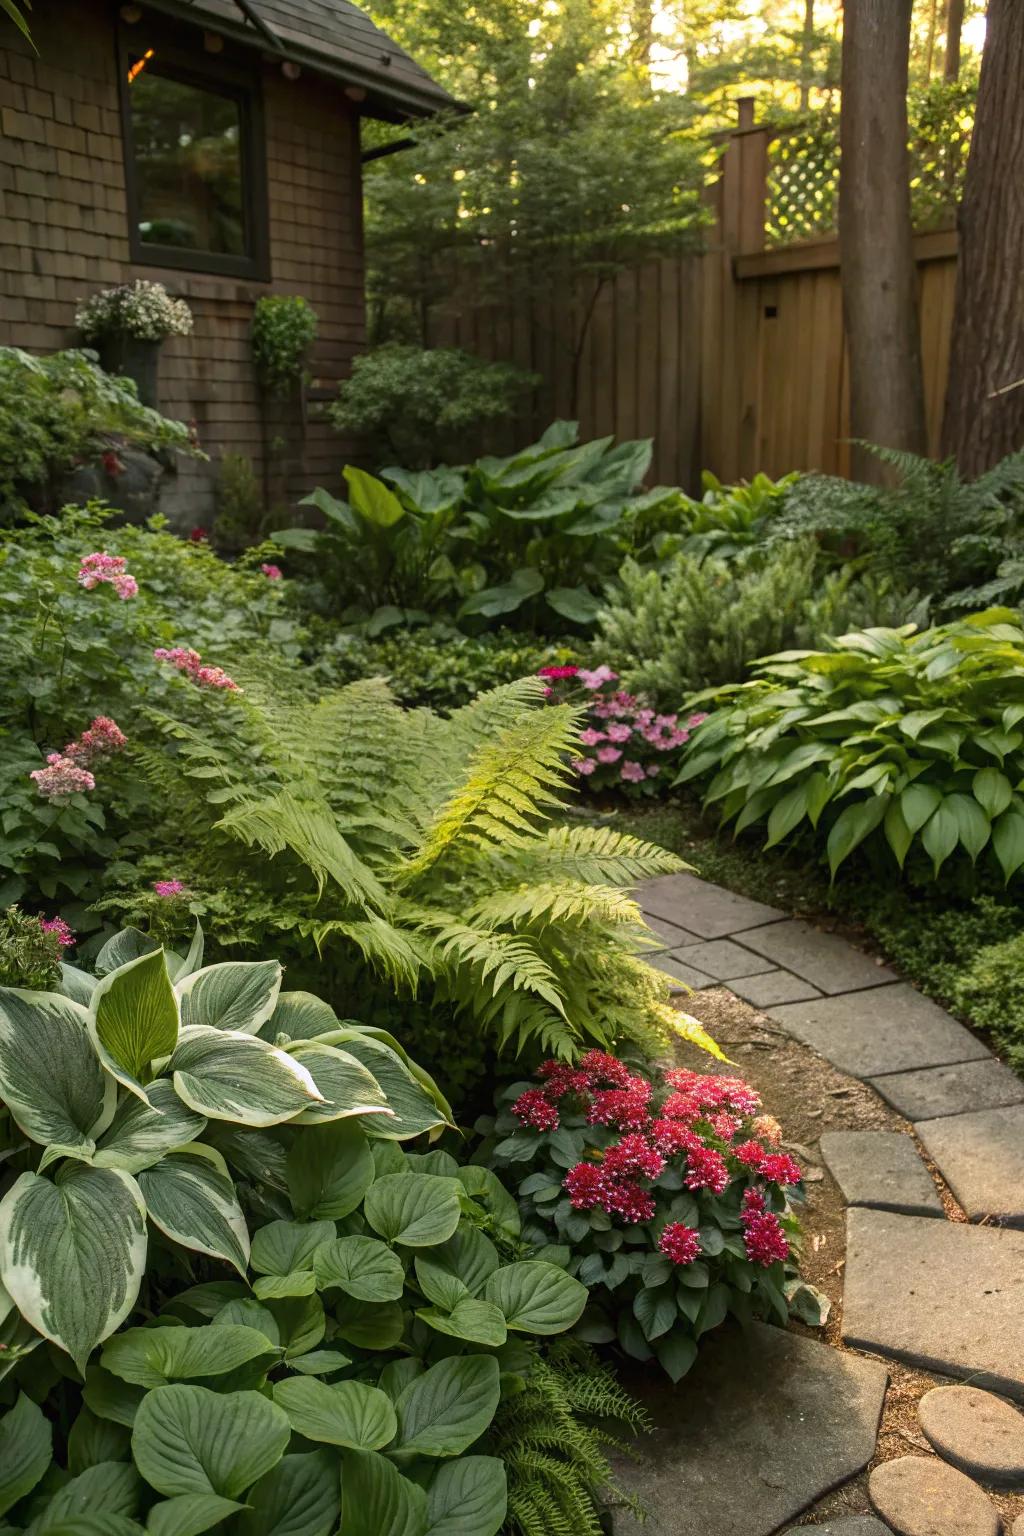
(50,1079)
(443,1411)
(786,814)
(993,791)
(192,1440)
(250,1314)
(362,1267)
(676,1354)
(238,995)
(917,803)
(494,601)
(536,1297)
(299,1016)
(576,603)
(300,1324)
(110,1488)
(284,1247)
(416,1209)
(852,826)
(487,1190)
(468,1497)
(458,1268)
(190,1514)
(321,1362)
(941,834)
(109,1398)
(208,1300)
(349,1414)
(655,1311)
(898,834)
(972,824)
(140,1134)
(330,1168)
(1008,842)
(412,1106)
(372,499)
(91,1525)
(369,1325)
(479,1322)
(73,1252)
(301,1282)
(376,1500)
(151,1357)
(130,944)
(300,1497)
(135,1014)
(26,1446)
(192,1200)
(347,1088)
(226,1075)
(93,1440)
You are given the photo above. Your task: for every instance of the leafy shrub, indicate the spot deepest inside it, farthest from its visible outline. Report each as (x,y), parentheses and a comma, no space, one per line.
(228,1283)
(284,327)
(991,993)
(699,622)
(425,406)
(30,950)
(664,1196)
(63,410)
(929,530)
(437,666)
(729,520)
(532,535)
(74,654)
(240,518)
(424,850)
(891,738)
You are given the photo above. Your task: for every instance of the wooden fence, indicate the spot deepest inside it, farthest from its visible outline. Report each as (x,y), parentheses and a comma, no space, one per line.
(733,360)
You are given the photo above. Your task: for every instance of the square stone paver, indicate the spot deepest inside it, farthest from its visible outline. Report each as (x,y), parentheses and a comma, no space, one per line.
(671,934)
(881,1169)
(765,1424)
(723,959)
(680,974)
(707,910)
(888,1029)
(939,1294)
(951,1090)
(824,959)
(982,1160)
(772,988)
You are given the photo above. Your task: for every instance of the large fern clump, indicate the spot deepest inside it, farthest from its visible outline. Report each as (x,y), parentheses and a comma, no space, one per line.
(434,851)
(554,1437)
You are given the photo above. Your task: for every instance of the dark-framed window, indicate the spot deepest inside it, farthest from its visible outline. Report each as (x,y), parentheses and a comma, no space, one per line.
(195,157)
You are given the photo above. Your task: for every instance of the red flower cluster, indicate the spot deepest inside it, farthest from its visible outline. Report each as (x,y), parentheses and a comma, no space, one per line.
(763,1237)
(679,1243)
(533,1108)
(558,672)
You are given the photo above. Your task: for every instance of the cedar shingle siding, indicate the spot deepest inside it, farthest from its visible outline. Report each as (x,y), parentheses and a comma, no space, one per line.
(64,226)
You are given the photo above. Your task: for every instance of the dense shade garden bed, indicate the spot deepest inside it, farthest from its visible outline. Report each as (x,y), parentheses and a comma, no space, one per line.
(315,1243)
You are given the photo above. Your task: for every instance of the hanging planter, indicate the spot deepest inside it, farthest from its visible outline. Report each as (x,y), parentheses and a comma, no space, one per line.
(128,325)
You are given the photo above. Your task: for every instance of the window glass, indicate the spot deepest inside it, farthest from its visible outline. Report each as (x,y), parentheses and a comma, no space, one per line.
(188,164)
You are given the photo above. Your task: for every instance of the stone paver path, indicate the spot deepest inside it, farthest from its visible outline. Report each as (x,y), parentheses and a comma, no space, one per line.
(981,1434)
(946,1296)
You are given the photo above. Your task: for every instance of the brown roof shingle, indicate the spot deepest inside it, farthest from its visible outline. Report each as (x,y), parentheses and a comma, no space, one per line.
(334,37)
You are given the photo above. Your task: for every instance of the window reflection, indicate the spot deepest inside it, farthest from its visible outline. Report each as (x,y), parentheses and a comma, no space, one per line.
(188,165)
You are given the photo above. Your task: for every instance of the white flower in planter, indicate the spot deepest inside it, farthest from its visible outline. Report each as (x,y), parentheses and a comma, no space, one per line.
(140,309)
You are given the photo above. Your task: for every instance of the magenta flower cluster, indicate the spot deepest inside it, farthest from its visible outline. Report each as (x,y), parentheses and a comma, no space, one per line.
(100,568)
(272,572)
(60,930)
(67,773)
(699,1124)
(170,889)
(191,663)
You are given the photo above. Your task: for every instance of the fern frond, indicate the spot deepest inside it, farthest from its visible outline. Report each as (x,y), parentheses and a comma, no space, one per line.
(497,960)
(563,901)
(507,784)
(596,856)
(311,833)
(491,713)
(393,953)
(685,1027)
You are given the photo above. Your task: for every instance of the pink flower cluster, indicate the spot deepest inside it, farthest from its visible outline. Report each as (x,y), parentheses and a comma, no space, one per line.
(272,572)
(60,930)
(170,889)
(191,663)
(99,567)
(698,1120)
(67,773)
(103,738)
(624,730)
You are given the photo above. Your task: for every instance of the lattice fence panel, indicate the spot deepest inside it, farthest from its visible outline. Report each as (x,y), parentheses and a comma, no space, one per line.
(803,183)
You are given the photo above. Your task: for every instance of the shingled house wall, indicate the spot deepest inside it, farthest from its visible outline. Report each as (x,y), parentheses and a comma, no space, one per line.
(64,233)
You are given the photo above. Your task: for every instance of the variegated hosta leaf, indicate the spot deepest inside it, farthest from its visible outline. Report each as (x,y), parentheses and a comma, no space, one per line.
(76,984)
(127,945)
(239,994)
(299,1016)
(348,1088)
(140,1135)
(135,1015)
(178,967)
(191,1198)
(50,1079)
(413,1107)
(73,1253)
(228,1075)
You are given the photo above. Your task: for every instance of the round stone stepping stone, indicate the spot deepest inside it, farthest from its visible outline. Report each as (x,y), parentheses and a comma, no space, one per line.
(849,1525)
(979,1433)
(918,1496)
(1018,1526)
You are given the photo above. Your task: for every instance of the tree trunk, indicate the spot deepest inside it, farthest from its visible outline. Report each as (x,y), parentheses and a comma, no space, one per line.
(933,27)
(806,47)
(876,250)
(984,417)
(954,29)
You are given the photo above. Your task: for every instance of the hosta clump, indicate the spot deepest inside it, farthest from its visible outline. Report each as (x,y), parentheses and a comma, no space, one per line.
(905,742)
(665,1194)
(241,1304)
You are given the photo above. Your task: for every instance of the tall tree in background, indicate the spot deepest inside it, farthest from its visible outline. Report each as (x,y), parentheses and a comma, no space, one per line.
(876,250)
(954,32)
(984,417)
